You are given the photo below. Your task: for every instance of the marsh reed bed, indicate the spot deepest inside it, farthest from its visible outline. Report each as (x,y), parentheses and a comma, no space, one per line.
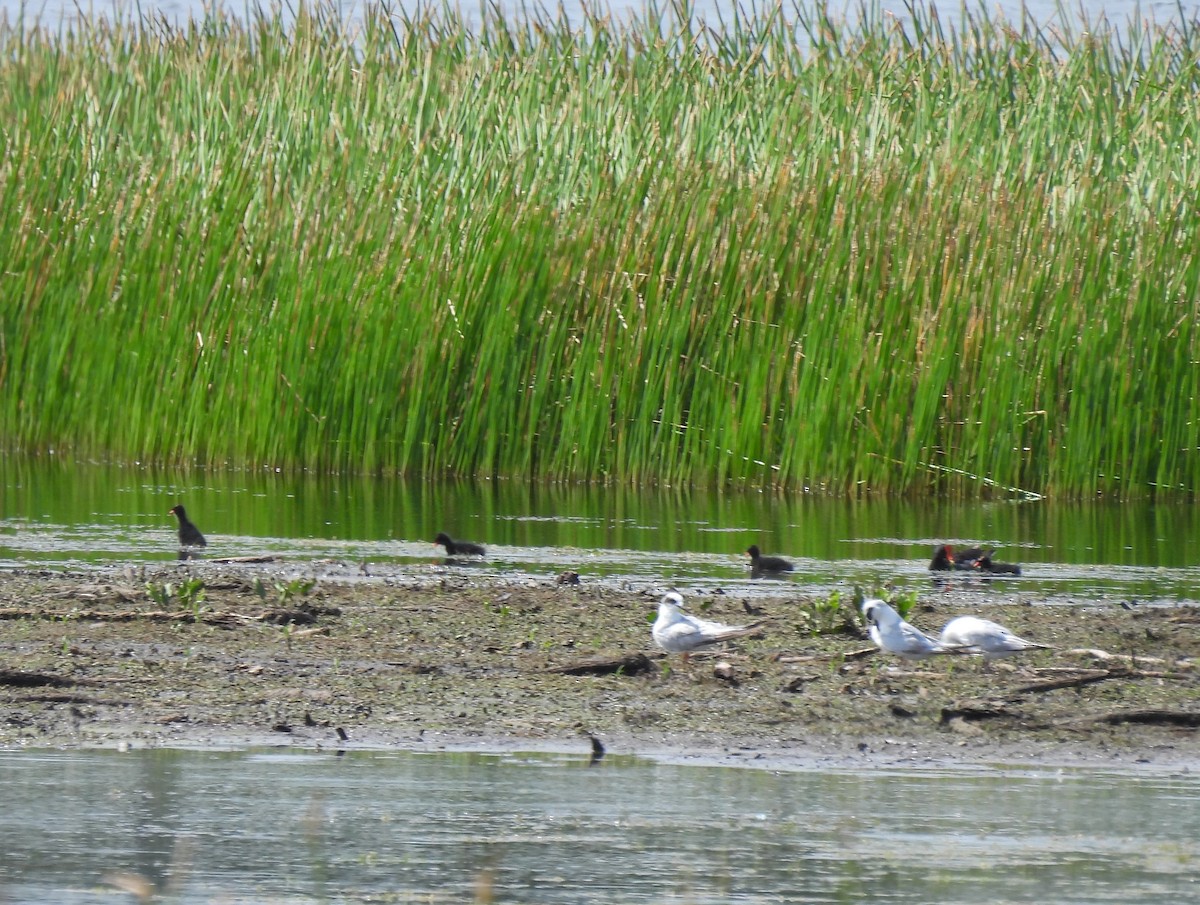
(784,250)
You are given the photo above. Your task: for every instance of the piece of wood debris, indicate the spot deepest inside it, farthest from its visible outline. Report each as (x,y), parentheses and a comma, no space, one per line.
(1083,677)
(857,654)
(628,665)
(1105,656)
(1186,718)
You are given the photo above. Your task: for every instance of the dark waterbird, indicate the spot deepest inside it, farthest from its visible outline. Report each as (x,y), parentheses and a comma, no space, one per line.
(189,534)
(947,559)
(459,547)
(973,559)
(985,563)
(766,565)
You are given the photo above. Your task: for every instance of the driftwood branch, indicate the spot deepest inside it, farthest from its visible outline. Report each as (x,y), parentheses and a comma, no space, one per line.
(19,679)
(628,665)
(1079,679)
(1185,718)
(857,654)
(972,711)
(301,616)
(1105,656)
(68,697)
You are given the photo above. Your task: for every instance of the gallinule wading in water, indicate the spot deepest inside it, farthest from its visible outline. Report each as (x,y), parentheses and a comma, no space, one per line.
(975,559)
(985,563)
(459,547)
(766,565)
(947,559)
(189,534)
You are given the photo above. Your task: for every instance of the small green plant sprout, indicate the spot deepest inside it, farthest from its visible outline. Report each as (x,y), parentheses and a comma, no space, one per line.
(499,606)
(296,587)
(904,603)
(160,593)
(260,589)
(192,594)
(835,615)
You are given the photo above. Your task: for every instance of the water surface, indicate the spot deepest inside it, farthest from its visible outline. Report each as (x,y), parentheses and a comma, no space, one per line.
(61,515)
(287,827)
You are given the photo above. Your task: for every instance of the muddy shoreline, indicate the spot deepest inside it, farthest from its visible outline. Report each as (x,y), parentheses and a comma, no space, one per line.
(248,654)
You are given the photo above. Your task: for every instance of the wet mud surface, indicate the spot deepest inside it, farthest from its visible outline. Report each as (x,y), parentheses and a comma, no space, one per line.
(240,654)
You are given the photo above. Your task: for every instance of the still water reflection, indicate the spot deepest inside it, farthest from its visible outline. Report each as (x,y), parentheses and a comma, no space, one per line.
(59,515)
(404,827)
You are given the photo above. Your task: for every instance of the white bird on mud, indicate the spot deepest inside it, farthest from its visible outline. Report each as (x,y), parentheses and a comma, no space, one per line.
(678,632)
(893,635)
(971,635)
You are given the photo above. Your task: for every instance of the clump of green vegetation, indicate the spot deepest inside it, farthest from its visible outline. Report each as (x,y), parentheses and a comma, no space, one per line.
(190,594)
(787,251)
(292,588)
(160,592)
(904,603)
(835,615)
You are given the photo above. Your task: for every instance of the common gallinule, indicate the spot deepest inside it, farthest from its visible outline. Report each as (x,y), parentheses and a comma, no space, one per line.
(678,632)
(972,635)
(189,534)
(459,547)
(766,565)
(947,559)
(893,635)
(985,563)
(975,559)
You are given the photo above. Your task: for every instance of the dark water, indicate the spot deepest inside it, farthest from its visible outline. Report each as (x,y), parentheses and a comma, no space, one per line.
(407,827)
(58,515)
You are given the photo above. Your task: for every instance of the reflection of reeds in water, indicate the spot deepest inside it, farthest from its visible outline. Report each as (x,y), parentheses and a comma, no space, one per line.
(484,891)
(651,250)
(145,889)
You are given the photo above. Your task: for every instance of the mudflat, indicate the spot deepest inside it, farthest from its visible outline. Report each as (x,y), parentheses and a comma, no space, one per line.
(217,654)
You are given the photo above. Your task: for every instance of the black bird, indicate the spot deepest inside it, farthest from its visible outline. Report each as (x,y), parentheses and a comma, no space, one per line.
(947,559)
(976,559)
(760,564)
(189,534)
(597,750)
(459,547)
(985,563)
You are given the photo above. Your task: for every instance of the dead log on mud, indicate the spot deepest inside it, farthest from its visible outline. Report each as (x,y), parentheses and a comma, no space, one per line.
(856,654)
(67,697)
(1185,718)
(973,711)
(1105,656)
(628,665)
(19,679)
(305,615)
(1086,677)
(95,592)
